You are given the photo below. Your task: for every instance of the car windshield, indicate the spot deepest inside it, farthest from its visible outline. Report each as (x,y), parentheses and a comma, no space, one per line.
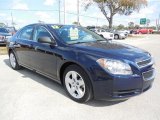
(2,30)
(73,34)
(11,29)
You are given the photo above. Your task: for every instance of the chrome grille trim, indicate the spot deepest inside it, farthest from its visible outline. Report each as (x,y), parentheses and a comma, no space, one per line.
(144,63)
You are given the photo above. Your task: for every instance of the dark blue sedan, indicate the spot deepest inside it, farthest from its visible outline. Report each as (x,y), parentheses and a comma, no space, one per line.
(86,64)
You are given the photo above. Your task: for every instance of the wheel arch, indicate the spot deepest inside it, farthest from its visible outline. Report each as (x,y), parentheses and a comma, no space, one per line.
(67,64)
(116,35)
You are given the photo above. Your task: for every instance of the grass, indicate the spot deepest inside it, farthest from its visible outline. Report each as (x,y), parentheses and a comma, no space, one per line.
(3,50)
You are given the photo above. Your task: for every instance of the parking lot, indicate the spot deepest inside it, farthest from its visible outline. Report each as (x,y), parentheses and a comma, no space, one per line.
(25,95)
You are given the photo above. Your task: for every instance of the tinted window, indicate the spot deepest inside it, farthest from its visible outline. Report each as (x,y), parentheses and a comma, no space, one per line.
(72,34)
(3,30)
(41,32)
(26,33)
(102,30)
(93,30)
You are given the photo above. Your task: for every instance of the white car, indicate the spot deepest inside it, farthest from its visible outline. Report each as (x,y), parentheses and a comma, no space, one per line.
(104,33)
(125,32)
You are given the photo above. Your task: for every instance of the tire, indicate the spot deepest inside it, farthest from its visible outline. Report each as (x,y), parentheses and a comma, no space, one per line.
(102,36)
(116,37)
(77,84)
(13,61)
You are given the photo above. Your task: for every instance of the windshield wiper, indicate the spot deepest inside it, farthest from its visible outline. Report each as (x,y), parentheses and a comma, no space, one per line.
(81,42)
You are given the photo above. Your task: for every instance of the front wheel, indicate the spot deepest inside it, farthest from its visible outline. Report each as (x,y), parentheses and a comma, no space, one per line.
(77,84)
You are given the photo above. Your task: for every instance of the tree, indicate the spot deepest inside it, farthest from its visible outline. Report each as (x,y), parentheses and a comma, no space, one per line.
(111,7)
(131,25)
(120,27)
(2,25)
(105,26)
(76,23)
(136,26)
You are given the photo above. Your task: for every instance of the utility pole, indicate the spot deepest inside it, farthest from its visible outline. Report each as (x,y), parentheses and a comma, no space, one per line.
(12,20)
(158,22)
(78,12)
(97,23)
(64,11)
(59,11)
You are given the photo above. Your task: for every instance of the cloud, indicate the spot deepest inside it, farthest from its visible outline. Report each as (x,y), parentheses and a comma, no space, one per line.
(49,2)
(20,5)
(71,6)
(45,16)
(3,14)
(144,12)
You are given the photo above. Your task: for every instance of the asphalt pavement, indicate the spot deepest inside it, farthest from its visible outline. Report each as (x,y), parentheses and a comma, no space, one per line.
(25,95)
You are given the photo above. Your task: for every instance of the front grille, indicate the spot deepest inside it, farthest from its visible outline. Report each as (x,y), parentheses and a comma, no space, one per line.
(124,93)
(144,62)
(149,75)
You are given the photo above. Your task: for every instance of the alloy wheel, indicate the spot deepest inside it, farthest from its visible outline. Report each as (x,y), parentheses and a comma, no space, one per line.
(75,84)
(12,60)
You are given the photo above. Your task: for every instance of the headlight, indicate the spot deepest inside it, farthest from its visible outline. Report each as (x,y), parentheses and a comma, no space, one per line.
(115,66)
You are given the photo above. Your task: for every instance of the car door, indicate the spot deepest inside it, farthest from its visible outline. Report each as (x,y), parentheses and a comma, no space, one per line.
(44,55)
(23,45)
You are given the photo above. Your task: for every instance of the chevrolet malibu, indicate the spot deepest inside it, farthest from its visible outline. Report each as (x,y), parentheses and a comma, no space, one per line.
(86,64)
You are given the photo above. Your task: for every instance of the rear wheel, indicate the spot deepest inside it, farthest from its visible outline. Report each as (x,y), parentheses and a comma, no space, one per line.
(13,61)
(116,37)
(77,84)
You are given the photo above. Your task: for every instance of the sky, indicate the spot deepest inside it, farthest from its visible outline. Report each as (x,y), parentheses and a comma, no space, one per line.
(31,11)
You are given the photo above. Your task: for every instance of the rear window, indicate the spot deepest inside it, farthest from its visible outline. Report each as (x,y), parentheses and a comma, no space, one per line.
(3,30)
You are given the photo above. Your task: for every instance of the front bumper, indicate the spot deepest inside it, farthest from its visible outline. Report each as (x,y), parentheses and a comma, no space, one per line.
(122,37)
(2,42)
(121,87)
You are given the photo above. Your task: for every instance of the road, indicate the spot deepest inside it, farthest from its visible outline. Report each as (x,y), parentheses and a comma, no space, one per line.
(25,95)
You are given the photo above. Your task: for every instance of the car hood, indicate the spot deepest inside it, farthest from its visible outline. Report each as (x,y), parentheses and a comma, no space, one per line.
(5,34)
(115,50)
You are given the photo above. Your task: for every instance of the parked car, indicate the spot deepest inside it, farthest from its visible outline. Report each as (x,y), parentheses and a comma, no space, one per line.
(103,33)
(125,32)
(12,30)
(133,31)
(4,35)
(86,64)
(145,31)
(117,34)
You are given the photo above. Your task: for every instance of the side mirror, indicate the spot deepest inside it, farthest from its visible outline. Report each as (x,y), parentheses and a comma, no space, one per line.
(46,40)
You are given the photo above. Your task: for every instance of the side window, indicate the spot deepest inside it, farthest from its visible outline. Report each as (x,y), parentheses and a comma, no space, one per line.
(41,32)
(26,33)
(98,30)
(102,30)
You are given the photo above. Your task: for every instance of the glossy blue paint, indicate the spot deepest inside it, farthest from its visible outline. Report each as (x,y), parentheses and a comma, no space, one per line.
(105,85)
